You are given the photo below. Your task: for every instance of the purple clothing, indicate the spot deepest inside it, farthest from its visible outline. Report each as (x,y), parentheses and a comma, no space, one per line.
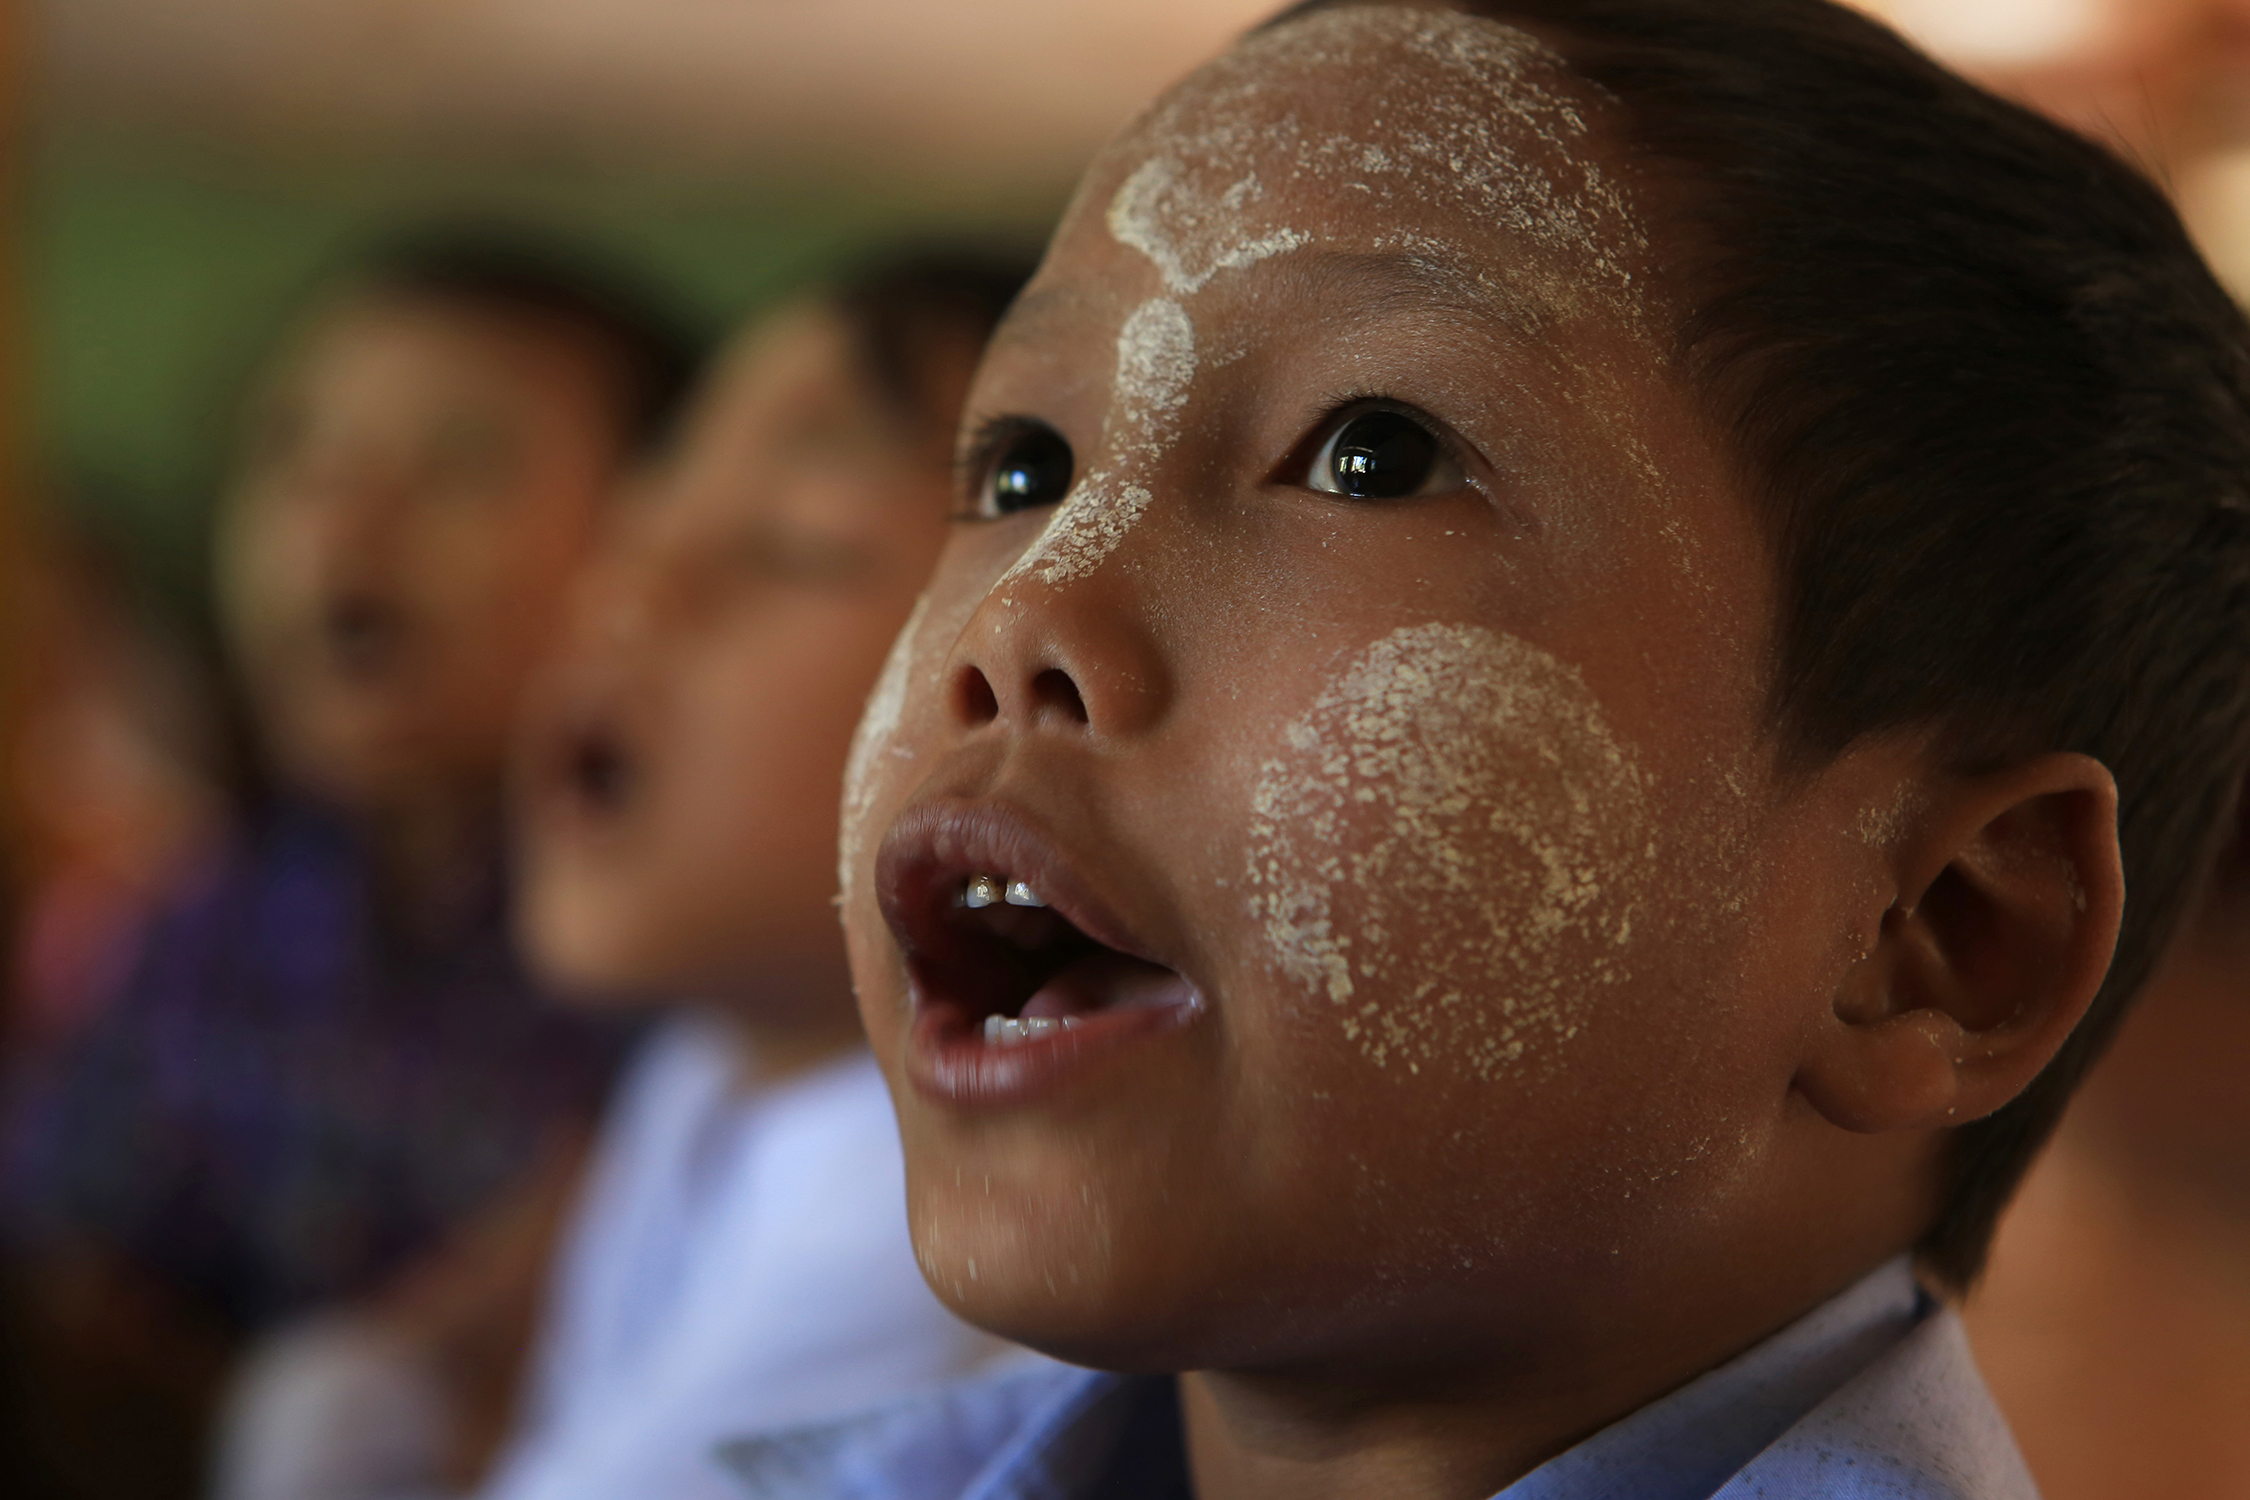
(285,1103)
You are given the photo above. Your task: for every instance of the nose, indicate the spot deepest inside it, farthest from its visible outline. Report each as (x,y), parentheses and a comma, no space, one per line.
(1077,659)
(356,499)
(614,606)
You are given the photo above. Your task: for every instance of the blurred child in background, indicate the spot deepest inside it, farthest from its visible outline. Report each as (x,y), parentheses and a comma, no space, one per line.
(740,1256)
(325,1056)
(116,782)
(118,777)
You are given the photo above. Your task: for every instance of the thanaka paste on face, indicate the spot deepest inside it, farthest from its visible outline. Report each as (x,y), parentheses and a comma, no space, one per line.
(1462,786)
(1155,365)
(1025,1233)
(1464,115)
(1481,122)
(878,729)
(1199,204)
(1431,868)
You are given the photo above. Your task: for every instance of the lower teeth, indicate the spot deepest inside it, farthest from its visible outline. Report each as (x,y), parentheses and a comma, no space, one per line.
(1007,1030)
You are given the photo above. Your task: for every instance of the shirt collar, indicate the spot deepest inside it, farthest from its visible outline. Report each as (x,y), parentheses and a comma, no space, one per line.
(1685,1445)
(1046,1432)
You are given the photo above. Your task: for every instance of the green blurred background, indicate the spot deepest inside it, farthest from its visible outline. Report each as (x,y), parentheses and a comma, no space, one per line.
(156,271)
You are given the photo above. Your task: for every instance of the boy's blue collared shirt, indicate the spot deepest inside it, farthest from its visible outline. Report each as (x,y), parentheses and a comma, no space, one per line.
(1871,1394)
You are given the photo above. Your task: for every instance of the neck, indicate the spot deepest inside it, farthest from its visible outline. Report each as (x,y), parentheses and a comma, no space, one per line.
(1250,1438)
(1464,1411)
(433,858)
(1452,1431)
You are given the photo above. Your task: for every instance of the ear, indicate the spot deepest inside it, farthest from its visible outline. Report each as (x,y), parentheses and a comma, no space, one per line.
(2006,893)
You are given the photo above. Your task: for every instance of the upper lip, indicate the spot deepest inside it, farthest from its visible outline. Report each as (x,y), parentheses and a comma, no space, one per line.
(934,848)
(601,768)
(360,629)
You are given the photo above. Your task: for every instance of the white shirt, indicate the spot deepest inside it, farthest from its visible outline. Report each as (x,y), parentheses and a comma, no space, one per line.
(739,1262)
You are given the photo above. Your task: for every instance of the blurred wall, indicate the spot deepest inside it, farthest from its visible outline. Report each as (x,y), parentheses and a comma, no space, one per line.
(158,268)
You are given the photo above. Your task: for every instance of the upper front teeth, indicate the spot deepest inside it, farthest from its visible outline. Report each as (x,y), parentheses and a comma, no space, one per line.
(990,890)
(1008,1030)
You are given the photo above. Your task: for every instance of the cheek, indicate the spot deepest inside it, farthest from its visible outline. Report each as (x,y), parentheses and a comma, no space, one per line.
(264,565)
(506,562)
(875,750)
(905,712)
(1449,854)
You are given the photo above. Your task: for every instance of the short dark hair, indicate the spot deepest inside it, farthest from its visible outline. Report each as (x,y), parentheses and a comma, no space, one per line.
(517,270)
(1994,412)
(903,304)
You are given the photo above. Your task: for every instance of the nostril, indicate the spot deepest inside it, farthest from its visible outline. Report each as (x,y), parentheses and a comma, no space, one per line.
(1054,689)
(974,699)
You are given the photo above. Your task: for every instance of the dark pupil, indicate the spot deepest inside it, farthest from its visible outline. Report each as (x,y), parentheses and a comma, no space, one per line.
(1381,456)
(1033,469)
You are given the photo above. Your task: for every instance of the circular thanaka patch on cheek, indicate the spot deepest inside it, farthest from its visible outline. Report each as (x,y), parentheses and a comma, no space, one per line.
(1449,851)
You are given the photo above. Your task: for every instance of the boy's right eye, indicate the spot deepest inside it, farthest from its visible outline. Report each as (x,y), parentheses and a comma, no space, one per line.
(1026,464)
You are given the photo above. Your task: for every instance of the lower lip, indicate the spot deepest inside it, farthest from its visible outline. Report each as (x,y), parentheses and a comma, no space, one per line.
(948,1059)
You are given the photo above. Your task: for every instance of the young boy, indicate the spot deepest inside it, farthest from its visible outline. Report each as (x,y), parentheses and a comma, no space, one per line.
(739,1257)
(1574,617)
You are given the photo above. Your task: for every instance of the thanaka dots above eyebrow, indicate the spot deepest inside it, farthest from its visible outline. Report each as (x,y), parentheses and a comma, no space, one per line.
(1478,120)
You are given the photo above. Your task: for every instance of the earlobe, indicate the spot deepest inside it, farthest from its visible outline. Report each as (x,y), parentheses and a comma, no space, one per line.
(2007,890)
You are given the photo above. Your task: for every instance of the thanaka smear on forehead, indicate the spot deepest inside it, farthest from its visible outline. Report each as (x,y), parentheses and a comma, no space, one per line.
(1480,121)
(1441,111)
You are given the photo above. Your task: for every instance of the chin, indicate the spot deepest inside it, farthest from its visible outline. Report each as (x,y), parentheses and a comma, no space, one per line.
(577,950)
(1101,1331)
(1063,1284)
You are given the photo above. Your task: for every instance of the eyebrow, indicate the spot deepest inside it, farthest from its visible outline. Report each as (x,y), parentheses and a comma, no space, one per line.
(1378,282)
(1423,281)
(1033,308)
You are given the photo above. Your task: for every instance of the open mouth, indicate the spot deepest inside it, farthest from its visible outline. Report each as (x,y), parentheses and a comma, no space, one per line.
(586,768)
(364,635)
(598,770)
(1014,968)
(1007,954)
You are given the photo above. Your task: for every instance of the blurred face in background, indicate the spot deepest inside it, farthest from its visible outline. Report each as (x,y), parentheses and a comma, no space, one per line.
(419,483)
(680,774)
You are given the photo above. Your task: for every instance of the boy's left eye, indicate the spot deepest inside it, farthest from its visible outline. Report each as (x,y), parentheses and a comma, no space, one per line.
(1381,454)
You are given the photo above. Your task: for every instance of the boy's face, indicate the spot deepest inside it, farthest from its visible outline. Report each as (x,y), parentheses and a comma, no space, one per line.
(682,765)
(421,480)
(1386,697)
